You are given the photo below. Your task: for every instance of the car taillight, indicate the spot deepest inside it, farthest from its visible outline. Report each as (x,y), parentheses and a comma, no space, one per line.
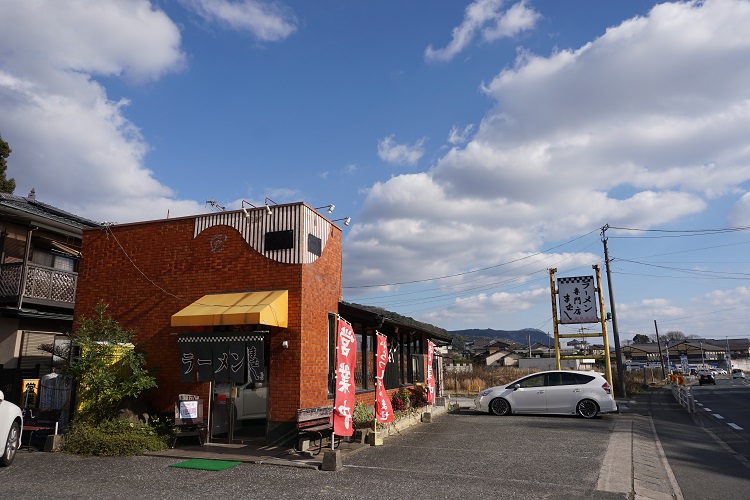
(607,388)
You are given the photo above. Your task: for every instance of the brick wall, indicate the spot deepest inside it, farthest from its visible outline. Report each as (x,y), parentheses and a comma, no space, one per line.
(148,271)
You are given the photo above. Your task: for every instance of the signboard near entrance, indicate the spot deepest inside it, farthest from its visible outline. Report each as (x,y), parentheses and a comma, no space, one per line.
(188,409)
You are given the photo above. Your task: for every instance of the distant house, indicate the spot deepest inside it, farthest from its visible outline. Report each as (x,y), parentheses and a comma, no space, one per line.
(697,352)
(496,353)
(498,358)
(738,348)
(39,256)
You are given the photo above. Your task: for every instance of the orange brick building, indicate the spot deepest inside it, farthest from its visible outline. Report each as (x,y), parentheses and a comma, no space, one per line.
(236,307)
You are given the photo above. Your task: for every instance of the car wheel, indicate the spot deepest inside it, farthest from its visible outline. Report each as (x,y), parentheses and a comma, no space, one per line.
(500,406)
(14,434)
(587,408)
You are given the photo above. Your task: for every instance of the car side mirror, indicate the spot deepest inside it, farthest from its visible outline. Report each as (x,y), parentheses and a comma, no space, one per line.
(2,396)
(517,386)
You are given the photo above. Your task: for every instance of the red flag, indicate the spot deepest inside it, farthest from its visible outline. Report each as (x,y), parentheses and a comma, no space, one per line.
(430,373)
(383,409)
(346,357)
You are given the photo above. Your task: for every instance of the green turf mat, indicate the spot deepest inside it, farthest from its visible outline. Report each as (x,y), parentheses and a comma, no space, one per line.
(203,464)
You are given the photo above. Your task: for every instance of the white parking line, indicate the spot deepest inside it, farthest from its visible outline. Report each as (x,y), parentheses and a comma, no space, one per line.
(718,416)
(735,426)
(699,404)
(707,409)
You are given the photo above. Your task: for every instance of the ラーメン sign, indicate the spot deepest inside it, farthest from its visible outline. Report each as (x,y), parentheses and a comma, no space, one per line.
(577,298)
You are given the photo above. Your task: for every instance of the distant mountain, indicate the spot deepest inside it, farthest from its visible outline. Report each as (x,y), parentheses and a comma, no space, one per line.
(520,336)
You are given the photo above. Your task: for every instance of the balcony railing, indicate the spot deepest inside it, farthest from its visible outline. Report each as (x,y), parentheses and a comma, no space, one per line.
(43,283)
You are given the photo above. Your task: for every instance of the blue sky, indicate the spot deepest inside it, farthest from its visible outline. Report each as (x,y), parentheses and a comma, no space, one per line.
(474,144)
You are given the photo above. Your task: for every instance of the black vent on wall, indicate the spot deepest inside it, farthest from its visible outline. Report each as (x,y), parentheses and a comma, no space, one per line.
(314,244)
(278,240)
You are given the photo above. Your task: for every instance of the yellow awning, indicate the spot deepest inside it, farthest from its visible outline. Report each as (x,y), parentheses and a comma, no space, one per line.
(248,308)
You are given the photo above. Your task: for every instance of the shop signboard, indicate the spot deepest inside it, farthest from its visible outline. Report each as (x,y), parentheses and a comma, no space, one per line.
(346,357)
(383,408)
(577,300)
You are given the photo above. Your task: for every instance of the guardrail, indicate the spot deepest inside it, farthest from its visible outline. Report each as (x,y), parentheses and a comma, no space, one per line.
(684,396)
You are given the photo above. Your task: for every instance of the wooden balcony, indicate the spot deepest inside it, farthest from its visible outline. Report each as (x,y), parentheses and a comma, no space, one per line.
(44,285)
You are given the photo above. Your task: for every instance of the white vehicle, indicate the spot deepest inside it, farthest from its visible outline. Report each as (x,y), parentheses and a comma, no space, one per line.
(11,423)
(251,401)
(737,373)
(564,392)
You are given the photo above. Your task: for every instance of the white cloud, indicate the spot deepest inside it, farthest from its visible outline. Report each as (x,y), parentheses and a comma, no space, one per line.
(400,154)
(118,37)
(477,17)
(460,135)
(267,21)
(67,136)
(515,20)
(740,213)
(641,127)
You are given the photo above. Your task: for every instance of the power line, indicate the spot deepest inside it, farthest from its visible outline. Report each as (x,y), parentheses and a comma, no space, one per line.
(475,270)
(686,232)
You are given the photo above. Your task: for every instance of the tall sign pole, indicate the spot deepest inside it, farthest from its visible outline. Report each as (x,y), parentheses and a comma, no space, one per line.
(615,333)
(603,320)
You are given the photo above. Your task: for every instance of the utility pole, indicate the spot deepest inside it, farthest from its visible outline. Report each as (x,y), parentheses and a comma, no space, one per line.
(615,333)
(728,357)
(661,358)
(528,339)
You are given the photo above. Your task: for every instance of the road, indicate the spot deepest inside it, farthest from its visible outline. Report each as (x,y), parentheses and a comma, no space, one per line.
(705,466)
(459,455)
(724,409)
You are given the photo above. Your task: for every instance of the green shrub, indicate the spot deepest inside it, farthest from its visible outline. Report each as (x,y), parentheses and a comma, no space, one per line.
(363,417)
(112,438)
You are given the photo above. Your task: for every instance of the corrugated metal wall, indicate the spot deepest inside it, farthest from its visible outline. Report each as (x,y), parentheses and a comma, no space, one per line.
(297,217)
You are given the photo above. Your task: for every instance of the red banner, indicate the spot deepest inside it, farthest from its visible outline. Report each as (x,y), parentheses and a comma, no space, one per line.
(346,358)
(430,373)
(383,409)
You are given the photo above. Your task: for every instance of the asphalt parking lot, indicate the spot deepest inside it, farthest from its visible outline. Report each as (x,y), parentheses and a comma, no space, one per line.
(463,454)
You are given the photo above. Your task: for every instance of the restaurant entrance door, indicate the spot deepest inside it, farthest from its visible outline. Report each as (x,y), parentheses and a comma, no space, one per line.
(239,407)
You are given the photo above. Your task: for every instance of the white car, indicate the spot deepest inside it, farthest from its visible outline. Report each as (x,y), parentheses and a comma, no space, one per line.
(11,423)
(563,392)
(737,373)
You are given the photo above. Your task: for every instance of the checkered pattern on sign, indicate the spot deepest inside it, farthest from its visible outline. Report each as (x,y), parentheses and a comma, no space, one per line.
(576,279)
(258,336)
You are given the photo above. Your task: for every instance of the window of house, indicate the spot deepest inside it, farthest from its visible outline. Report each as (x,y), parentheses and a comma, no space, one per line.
(47,259)
(42,258)
(64,263)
